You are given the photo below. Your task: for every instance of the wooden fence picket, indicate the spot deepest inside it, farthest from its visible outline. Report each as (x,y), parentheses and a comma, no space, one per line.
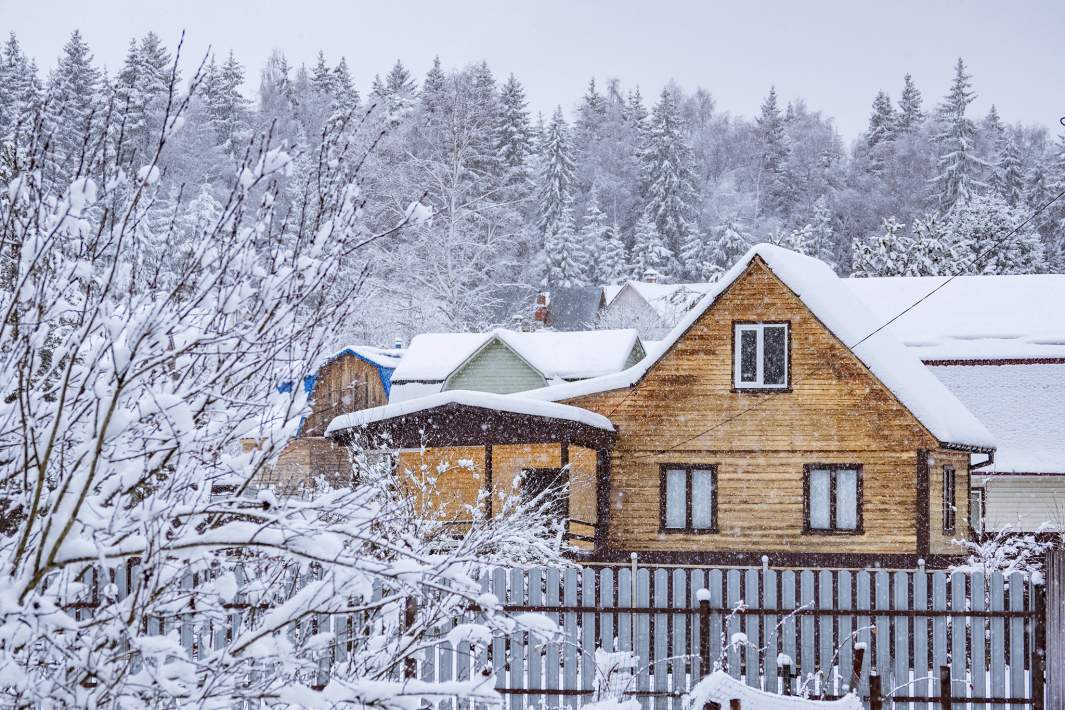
(978,640)
(679,651)
(1017,659)
(921,684)
(752,598)
(553,655)
(998,640)
(807,628)
(789,603)
(771,632)
(826,637)
(660,649)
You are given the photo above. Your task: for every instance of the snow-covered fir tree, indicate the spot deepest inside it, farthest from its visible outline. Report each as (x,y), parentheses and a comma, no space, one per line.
(514,135)
(731,241)
(613,266)
(650,251)
(567,256)
(594,233)
(227,108)
(958,166)
(774,185)
(433,91)
(73,107)
(557,179)
(910,115)
(889,253)
(1010,171)
(669,179)
(979,229)
(822,232)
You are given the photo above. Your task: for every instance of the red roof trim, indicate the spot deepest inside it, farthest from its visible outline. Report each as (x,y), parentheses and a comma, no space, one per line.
(999,361)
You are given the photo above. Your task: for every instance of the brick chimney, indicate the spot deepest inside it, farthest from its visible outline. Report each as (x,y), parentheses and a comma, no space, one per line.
(542,313)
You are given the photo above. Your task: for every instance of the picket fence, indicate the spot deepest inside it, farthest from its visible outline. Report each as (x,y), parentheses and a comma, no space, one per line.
(922,640)
(784,631)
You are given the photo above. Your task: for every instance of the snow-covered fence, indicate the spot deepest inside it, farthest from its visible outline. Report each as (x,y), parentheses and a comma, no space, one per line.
(914,639)
(778,630)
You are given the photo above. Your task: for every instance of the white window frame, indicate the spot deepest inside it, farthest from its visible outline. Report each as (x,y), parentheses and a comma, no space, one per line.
(737,360)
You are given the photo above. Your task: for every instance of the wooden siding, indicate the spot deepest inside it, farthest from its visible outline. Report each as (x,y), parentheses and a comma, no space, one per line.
(836,411)
(344,385)
(495,368)
(1023,503)
(941,541)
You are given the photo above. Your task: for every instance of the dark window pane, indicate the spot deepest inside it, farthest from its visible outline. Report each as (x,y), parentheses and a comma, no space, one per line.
(775,355)
(748,356)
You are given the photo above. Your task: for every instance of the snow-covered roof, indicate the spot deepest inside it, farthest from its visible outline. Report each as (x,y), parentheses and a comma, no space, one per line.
(830,300)
(565,355)
(670,301)
(383,357)
(972,317)
(1022,405)
(483,400)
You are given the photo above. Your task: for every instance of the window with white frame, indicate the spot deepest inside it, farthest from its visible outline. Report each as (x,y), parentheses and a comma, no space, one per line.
(689,501)
(833,498)
(760,357)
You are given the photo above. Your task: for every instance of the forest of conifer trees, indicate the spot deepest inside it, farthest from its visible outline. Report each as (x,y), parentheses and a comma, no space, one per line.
(599,191)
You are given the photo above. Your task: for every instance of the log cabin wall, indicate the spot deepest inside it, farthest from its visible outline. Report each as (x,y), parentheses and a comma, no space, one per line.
(940,539)
(344,385)
(686,411)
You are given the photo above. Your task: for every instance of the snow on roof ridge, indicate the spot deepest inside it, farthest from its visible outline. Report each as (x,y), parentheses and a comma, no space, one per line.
(848,319)
(484,400)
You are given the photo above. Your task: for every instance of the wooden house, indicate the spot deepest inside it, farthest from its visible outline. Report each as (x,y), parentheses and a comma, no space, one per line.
(777,419)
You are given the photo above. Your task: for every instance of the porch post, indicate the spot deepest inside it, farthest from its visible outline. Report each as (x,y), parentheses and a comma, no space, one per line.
(602,497)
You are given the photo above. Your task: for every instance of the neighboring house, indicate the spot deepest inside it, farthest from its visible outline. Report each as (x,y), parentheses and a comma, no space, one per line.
(507,361)
(574,308)
(766,423)
(651,308)
(356,377)
(998,343)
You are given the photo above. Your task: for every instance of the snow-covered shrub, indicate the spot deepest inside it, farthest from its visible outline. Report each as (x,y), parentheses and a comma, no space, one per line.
(136,353)
(1008,551)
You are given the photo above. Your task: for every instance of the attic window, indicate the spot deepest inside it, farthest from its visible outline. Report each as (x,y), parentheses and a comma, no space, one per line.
(760,352)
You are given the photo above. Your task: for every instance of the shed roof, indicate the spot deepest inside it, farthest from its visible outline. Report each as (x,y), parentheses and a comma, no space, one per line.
(829,299)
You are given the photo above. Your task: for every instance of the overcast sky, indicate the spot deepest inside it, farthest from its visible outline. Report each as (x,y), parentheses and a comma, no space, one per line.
(833,54)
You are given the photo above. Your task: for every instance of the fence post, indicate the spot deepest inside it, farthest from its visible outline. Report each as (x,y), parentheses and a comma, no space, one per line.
(1054,577)
(944,688)
(1039,645)
(704,632)
(876,698)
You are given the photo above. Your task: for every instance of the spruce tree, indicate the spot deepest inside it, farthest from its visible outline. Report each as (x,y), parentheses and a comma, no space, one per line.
(887,254)
(933,252)
(590,115)
(395,95)
(977,229)
(649,251)
(822,238)
(669,177)
(1011,171)
(882,121)
(594,233)
(227,109)
(433,91)
(556,178)
(910,115)
(19,87)
(514,136)
(73,90)
(774,185)
(566,256)
(345,95)
(732,241)
(613,266)
(958,166)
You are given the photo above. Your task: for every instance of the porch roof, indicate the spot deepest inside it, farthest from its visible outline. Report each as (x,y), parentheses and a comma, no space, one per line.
(463,418)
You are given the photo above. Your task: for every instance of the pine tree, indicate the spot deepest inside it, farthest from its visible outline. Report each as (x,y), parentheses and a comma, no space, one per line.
(227,109)
(593,236)
(19,87)
(514,137)
(774,185)
(566,256)
(590,115)
(933,252)
(977,229)
(731,243)
(887,254)
(1011,171)
(557,178)
(822,238)
(395,95)
(73,89)
(636,116)
(882,122)
(669,176)
(345,95)
(433,91)
(958,166)
(909,115)
(649,251)
(322,78)
(613,266)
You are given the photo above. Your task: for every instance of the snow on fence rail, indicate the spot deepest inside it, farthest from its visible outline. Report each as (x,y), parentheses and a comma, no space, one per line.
(922,639)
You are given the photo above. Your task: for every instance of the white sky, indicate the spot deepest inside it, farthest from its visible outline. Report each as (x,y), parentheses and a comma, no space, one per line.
(833,54)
